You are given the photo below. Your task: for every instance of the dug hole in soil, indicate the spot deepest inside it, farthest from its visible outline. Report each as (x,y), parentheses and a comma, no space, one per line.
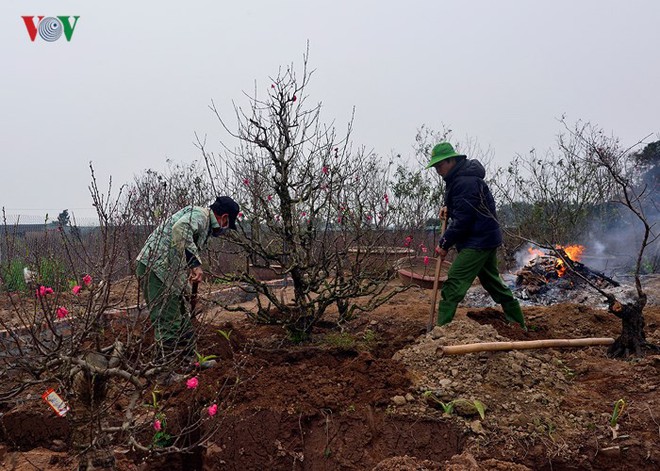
(369,398)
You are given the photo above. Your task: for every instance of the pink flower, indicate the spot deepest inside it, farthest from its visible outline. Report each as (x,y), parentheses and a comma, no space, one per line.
(387,199)
(294,98)
(325,170)
(87,280)
(213,410)
(368,217)
(423,247)
(157,425)
(272,85)
(192,383)
(43,291)
(76,289)
(240,214)
(339,219)
(303,214)
(426,260)
(408,241)
(270,197)
(62,312)
(246,181)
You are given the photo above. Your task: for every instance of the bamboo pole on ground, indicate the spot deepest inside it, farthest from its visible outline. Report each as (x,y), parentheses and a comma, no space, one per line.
(523,345)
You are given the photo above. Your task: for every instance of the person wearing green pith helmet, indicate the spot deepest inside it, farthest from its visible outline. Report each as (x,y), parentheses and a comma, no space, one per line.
(474,230)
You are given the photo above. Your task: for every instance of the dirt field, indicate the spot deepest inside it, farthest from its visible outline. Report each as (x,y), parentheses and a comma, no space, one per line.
(370,397)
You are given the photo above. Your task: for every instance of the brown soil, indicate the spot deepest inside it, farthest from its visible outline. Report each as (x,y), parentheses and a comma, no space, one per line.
(360,399)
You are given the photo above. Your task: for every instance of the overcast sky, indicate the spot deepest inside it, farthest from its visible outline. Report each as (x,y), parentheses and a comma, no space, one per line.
(134,83)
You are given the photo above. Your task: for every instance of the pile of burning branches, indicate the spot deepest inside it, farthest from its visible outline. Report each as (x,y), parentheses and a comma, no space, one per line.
(550,269)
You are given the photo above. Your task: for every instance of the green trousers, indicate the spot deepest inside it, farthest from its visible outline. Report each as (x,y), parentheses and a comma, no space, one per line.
(469,264)
(167,311)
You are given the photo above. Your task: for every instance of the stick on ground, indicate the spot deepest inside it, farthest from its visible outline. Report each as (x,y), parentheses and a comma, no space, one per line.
(523,345)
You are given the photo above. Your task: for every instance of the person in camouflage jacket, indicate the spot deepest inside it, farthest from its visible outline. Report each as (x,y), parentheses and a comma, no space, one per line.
(170,259)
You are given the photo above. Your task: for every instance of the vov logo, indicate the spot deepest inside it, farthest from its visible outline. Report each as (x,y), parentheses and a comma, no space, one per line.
(50,28)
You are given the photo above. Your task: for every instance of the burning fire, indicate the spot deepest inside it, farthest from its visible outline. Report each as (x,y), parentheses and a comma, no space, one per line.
(535,252)
(574,252)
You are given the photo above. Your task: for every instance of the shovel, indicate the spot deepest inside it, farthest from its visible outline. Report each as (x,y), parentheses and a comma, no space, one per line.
(436,281)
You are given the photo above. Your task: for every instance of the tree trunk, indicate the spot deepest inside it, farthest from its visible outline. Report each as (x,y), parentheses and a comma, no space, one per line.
(632,340)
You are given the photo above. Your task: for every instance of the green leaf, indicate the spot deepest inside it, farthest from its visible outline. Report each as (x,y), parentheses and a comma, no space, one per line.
(480,408)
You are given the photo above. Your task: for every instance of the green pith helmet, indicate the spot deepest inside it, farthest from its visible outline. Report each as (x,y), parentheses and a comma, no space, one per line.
(441,152)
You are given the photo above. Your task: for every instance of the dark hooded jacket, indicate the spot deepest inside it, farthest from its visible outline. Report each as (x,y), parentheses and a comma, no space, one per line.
(471,209)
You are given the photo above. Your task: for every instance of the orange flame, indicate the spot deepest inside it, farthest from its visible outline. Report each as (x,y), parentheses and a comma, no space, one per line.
(574,252)
(535,252)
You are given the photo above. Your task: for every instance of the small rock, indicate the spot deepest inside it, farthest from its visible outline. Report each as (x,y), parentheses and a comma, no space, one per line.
(437,332)
(410,397)
(454,372)
(57,445)
(445,383)
(399,400)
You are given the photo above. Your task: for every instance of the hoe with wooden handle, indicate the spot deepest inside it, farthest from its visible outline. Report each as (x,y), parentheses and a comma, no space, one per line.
(436,281)
(193,298)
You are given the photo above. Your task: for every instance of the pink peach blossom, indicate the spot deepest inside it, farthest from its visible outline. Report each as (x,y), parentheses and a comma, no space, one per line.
(213,410)
(76,289)
(87,280)
(157,425)
(62,312)
(192,383)
(426,260)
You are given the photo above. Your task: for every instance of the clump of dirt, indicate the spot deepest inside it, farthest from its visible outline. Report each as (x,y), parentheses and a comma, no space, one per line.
(28,425)
(533,413)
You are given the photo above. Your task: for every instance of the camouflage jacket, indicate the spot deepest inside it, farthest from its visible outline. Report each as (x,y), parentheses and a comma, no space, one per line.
(164,252)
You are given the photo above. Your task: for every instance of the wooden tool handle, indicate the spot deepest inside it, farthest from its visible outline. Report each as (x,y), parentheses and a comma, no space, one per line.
(436,282)
(524,345)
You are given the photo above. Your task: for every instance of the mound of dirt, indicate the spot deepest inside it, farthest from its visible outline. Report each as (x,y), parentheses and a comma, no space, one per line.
(537,402)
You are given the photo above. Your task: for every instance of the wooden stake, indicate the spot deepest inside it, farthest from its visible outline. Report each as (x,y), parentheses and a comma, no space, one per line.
(523,345)
(436,281)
